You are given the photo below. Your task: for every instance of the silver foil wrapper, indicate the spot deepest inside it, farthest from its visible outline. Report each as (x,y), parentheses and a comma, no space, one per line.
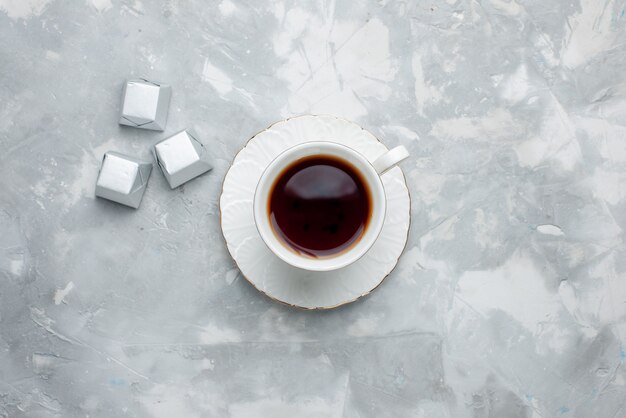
(181,158)
(123,179)
(145,104)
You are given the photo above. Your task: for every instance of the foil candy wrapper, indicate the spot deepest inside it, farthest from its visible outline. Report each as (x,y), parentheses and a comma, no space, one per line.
(145,104)
(181,158)
(123,179)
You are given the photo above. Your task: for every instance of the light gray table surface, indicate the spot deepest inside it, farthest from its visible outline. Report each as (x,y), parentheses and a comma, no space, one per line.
(509,300)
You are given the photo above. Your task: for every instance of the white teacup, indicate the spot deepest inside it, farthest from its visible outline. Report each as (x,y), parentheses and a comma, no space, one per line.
(370,173)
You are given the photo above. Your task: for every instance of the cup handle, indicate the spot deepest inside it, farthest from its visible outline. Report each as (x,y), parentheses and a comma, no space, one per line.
(390,159)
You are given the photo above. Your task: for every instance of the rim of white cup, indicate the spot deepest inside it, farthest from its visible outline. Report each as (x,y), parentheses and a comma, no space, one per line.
(286,253)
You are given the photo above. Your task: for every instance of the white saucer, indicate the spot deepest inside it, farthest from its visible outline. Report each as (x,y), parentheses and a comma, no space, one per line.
(272,276)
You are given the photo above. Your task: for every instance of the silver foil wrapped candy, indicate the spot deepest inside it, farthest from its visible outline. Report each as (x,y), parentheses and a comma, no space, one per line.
(123,179)
(145,104)
(181,158)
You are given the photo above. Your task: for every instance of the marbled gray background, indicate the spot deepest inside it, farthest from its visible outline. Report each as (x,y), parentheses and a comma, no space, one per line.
(509,301)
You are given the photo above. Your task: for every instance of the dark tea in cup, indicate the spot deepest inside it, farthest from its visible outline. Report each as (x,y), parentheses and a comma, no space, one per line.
(319,206)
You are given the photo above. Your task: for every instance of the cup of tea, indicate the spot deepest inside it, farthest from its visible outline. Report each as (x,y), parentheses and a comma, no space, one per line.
(321,205)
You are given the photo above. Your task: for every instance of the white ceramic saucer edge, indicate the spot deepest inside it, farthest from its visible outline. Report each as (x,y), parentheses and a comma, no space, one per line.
(266,272)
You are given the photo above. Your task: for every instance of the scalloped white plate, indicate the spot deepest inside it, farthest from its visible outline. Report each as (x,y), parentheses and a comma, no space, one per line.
(272,276)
